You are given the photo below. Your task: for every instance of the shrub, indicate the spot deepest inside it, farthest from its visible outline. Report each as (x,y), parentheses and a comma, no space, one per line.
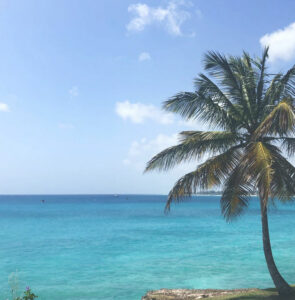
(28,295)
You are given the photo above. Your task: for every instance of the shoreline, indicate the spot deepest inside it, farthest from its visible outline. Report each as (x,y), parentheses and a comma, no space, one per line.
(214,294)
(192,294)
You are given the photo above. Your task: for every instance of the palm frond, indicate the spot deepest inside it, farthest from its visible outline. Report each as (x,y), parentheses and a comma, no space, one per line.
(193,145)
(260,85)
(207,87)
(228,73)
(283,182)
(208,174)
(219,67)
(257,164)
(289,145)
(282,86)
(200,106)
(287,84)
(280,121)
(236,194)
(271,93)
(247,76)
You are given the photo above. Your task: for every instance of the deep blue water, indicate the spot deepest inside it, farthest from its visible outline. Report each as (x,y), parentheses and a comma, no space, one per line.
(106,247)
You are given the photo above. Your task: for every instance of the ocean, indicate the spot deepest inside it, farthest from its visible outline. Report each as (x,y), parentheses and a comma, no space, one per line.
(110,247)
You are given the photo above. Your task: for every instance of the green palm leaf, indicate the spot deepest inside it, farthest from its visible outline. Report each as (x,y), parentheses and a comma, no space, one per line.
(193,145)
(280,121)
(236,194)
(208,174)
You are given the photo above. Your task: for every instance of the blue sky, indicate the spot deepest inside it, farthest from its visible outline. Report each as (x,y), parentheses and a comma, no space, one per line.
(81,84)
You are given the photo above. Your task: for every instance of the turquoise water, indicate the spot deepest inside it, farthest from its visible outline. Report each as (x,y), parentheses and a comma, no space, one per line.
(106,247)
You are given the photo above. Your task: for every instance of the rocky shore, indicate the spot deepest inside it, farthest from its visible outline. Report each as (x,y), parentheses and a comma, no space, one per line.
(185,294)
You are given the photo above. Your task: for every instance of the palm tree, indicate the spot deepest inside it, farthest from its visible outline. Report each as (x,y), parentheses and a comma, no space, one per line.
(253,112)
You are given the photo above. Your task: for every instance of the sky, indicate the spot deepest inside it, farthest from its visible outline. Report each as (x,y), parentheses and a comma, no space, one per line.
(82,83)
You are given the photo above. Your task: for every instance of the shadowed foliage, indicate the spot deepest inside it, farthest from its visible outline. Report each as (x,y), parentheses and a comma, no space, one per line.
(252,116)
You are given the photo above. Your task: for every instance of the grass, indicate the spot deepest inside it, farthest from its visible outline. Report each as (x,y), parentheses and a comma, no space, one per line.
(257,294)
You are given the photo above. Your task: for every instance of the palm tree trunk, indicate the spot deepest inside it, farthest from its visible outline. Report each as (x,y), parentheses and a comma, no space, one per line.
(280,283)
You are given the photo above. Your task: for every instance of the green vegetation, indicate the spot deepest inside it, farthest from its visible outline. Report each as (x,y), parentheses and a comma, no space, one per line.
(14,283)
(251,294)
(266,294)
(253,113)
(28,295)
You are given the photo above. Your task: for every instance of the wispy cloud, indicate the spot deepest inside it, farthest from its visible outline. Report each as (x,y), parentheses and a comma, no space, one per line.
(142,150)
(144,56)
(139,113)
(4,107)
(281,43)
(171,17)
(74,91)
(193,125)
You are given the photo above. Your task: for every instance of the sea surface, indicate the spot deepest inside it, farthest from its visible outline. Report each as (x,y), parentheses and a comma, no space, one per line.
(118,247)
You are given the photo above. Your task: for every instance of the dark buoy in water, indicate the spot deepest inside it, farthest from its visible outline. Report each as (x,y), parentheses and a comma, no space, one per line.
(42,200)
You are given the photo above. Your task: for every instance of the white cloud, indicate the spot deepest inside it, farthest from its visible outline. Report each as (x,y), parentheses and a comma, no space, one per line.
(194,125)
(144,56)
(74,91)
(171,17)
(65,125)
(281,43)
(4,107)
(139,112)
(143,150)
